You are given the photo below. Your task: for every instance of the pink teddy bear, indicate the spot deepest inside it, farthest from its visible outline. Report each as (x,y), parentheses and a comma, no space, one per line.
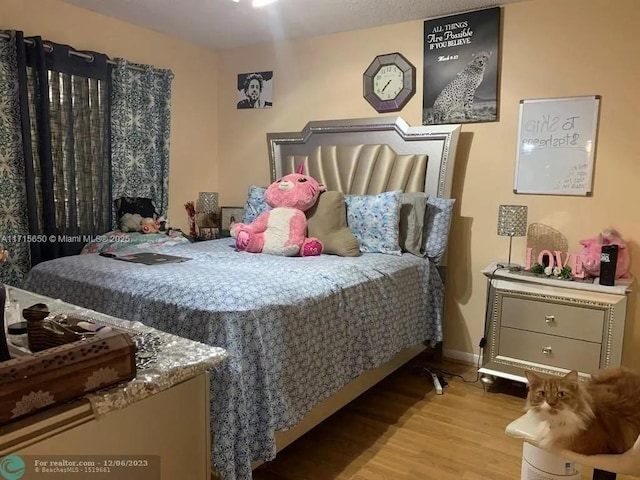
(592,248)
(283,230)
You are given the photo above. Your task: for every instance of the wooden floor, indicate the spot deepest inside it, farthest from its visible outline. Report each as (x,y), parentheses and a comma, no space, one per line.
(402,430)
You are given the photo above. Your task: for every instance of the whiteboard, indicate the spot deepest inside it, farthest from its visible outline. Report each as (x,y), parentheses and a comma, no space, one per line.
(556,145)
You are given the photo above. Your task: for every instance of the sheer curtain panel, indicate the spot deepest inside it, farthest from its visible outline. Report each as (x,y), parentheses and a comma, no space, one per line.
(65,111)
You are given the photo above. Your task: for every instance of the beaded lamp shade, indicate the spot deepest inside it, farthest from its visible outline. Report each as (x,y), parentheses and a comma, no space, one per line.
(207,202)
(207,209)
(512,222)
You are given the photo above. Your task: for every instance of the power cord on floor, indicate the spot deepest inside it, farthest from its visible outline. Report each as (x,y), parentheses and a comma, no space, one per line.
(442,374)
(438,383)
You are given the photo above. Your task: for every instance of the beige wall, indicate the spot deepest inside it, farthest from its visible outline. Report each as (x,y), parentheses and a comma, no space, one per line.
(194,129)
(550,49)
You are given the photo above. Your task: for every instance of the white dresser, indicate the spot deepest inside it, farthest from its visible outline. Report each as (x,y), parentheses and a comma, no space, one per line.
(550,326)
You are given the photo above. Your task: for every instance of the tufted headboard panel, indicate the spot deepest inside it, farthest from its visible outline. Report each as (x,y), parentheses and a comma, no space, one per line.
(362,169)
(368,156)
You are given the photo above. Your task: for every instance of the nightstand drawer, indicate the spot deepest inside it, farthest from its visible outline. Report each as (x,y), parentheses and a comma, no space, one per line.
(553,318)
(550,350)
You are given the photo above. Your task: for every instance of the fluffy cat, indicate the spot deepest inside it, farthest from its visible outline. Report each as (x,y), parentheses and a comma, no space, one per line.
(598,416)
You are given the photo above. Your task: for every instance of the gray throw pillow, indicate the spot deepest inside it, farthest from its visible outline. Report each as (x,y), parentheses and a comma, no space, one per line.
(412,217)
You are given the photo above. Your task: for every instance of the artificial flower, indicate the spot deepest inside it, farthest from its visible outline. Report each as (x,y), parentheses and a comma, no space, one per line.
(563,273)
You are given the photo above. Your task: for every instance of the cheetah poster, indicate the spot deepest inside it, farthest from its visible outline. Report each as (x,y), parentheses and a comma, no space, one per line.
(461,56)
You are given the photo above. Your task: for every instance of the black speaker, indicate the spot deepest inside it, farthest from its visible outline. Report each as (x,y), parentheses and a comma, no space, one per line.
(608,261)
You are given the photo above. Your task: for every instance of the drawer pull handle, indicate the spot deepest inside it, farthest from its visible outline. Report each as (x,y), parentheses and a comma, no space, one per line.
(549,319)
(547,350)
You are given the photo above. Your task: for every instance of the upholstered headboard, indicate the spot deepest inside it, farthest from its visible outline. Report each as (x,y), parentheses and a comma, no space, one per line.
(369,155)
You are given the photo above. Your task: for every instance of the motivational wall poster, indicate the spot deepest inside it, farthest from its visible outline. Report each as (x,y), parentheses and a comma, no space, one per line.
(461,57)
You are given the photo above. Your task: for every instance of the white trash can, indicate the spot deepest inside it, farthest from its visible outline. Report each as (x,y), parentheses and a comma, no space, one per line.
(538,464)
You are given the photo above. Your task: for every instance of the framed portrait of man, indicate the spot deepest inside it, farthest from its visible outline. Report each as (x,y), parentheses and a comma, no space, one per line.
(255,90)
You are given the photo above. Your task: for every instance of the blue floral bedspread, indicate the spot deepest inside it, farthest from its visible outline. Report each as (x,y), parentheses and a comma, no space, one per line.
(121,242)
(298,329)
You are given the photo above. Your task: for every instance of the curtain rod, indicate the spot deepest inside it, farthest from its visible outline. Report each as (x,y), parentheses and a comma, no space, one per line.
(49,48)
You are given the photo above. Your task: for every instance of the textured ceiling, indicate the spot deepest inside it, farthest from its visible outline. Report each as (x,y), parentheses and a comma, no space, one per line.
(222,24)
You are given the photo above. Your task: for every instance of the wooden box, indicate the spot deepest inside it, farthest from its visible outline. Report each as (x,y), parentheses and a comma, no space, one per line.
(43,379)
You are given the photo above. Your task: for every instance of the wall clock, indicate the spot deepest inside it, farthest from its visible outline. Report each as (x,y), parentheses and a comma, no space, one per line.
(389,82)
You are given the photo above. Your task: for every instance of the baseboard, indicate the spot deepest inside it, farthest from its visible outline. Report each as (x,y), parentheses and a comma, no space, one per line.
(462,357)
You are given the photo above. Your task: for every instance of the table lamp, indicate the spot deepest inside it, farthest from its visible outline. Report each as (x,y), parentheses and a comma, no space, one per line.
(512,222)
(207,202)
(207,215)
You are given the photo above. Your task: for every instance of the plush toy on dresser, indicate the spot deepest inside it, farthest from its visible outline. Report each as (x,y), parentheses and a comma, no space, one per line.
(592,250)
(283,230)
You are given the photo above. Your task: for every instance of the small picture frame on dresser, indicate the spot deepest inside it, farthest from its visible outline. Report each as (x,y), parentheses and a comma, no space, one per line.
(229,215)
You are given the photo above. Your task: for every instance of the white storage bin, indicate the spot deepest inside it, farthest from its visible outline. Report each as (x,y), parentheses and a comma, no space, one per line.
(538,464)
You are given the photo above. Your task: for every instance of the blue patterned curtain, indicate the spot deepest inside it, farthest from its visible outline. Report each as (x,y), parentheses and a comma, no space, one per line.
(140,125)
(13,198)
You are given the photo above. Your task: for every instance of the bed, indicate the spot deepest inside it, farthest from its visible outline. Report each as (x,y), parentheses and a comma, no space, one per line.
(306,342)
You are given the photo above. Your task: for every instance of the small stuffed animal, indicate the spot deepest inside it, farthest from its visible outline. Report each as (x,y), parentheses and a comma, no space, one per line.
(149,225)
(4,255)
(282,230)
(592,249)
(130,222)
(164,224)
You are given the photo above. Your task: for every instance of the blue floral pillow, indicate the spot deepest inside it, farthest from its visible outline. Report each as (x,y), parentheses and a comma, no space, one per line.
(436,227)
(256,204)
(374,220)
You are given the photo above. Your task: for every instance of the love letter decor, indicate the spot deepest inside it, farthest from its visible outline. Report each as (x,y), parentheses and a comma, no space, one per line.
(557,259)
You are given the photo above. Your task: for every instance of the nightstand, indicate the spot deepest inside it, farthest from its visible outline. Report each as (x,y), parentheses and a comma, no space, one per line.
(550,326)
